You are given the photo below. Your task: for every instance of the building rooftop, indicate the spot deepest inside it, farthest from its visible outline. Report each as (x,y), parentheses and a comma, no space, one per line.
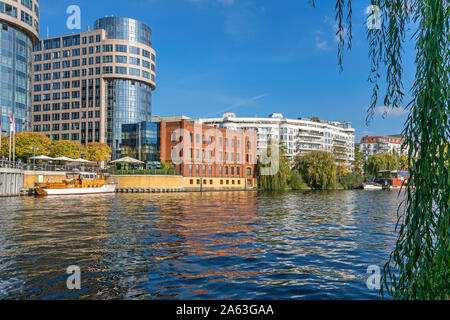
(170,118)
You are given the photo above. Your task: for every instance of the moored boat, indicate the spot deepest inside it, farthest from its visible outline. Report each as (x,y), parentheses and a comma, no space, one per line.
(81,183)
(372,186)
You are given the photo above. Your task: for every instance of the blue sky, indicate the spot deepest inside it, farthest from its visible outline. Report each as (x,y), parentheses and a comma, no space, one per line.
(251,57)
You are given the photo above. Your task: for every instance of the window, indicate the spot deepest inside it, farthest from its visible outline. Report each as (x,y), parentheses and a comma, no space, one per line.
(121,59)
(135,61)
(121,70)
(107,59)
(135,72)
(135,50)
(121,48)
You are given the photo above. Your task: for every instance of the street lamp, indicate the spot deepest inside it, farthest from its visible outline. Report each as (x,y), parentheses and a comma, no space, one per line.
(34,148)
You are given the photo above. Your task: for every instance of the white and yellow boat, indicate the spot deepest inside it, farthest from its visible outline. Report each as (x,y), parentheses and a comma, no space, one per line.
(80,183)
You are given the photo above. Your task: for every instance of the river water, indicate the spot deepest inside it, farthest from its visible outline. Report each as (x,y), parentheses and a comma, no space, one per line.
(227,245)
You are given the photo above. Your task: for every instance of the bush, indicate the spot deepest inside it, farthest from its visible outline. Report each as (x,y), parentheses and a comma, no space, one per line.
(351,179)
(296,182)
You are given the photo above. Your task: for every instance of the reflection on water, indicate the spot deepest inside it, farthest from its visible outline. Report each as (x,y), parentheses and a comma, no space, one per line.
(231,245)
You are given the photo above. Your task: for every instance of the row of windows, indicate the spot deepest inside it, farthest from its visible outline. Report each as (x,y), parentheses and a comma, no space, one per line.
(57,106)
(69,126)
(64,96)
(211,182)
(67,85)
(91,61)
(210,140)
(92,71)
(222,169)
(228,156)
(73,136)
(52,44)
(66,116)
(68,41)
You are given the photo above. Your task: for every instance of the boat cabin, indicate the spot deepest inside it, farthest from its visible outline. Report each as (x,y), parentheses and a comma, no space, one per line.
(394,177)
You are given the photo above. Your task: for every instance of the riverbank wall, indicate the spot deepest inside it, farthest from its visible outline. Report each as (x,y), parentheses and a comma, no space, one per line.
(11,182)
(141,183)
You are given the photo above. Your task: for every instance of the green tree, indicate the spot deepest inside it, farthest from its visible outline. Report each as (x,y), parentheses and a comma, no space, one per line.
(422,253)
(64,148)
(358,165)
(380,162)
(296,182)
(5,146)
(27,141)
(318,169)
(278,180)
(352,178)
(165,165)
(96,151)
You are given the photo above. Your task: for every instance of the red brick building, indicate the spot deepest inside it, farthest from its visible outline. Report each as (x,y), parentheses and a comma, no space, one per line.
(211,156)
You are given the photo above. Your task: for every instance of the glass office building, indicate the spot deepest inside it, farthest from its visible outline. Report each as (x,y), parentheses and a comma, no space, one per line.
(122,28)
(142,141)
(128,101)
(18,33)
(87,85)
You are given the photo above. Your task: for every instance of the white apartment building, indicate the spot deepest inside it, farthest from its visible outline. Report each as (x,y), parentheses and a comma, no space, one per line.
(299,136)
(382,144)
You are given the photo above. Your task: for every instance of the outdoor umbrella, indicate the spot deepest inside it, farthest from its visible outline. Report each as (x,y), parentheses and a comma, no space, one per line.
(128,160)
(64,159)
(42,158)
(82,161)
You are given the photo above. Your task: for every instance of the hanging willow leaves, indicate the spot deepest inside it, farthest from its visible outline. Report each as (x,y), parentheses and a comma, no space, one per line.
(419,266)
(280,179)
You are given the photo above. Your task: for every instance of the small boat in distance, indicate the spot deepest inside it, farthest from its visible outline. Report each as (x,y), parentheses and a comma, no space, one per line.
(372,186)
(80,183)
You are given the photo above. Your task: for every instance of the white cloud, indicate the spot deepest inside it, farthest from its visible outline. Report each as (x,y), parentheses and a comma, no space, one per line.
(240,102)
(390,111)
(321,44)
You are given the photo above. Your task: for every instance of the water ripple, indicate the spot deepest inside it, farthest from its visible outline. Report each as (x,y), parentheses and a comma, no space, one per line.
(231,245)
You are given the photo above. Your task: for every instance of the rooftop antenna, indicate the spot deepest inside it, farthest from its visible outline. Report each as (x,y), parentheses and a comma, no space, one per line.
(88,28)
(48,32)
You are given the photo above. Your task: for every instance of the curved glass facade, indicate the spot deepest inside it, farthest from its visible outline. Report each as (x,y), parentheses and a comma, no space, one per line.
(125,29)
(128,102)
(15,58)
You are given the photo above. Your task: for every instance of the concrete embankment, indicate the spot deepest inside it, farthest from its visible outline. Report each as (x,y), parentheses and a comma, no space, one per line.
(26,180)
(11,182)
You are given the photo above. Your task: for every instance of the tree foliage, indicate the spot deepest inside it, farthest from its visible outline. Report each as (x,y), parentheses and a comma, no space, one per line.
(165,165)
(29,142)
(318,169)
(280,179)
(96,151)
(359,163)
(296,182)
(380,162)
(352,178)
(64,148)
(419,266)
(5,146)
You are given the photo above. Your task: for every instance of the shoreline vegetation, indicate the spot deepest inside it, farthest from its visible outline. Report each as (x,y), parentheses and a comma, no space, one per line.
(320,170)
